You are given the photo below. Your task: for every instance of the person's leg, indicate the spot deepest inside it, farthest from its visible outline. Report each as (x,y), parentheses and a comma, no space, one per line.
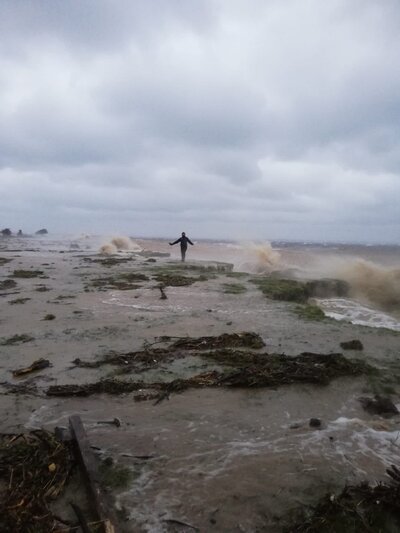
(183,254)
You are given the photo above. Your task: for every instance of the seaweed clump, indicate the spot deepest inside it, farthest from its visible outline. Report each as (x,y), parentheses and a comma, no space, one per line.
(177,280)
(28,273)
(254,370)
(16,339)
(310,312)
(7,284)
(19,301)
(147,358)
(122,282)
(234,288)
(139,360)
(233,340)
(288,290)
(34,469)
(356,509)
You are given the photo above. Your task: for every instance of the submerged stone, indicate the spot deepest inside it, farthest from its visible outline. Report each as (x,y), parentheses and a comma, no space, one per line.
(352,345)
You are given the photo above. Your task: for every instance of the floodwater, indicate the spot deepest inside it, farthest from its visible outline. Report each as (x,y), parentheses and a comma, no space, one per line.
(215,459)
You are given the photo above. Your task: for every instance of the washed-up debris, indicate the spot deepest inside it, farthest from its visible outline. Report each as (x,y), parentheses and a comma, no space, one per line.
(352,345)
(49,316)
(177,280)
(145,396)
(114,422)
(163,295)
(278,369)
(109,386)
(92,475)
(42,288)
(205,266)
(357,509)
(114,476)
(138,361)
(7,284)
(112,261)
(27,273)
(34,469)
(19,301)
(27,387)
(315,423)
(81,518)
(39,364)
(379,405)
(4,260)
(232,340)
(122,282)
(109,261)
(173,522)
(264,370)
(16,339)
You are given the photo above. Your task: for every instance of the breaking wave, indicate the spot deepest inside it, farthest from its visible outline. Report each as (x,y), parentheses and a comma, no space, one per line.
(263,258)
(119,243)
(373,283)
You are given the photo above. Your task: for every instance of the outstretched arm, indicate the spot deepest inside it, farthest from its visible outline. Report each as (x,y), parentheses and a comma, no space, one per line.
(176,242)
(190,242)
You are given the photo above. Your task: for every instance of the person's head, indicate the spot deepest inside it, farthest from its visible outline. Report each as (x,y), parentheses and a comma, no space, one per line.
(183,234)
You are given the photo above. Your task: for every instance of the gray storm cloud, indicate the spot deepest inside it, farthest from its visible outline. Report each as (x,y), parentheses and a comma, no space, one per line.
(235,118)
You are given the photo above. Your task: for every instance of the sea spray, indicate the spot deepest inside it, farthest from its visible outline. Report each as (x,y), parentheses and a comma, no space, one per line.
(375,284)
(108,249)
(119,243)
(370,283)
(263,258)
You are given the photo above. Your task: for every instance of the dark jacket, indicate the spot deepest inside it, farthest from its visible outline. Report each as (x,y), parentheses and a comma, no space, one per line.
(184,242)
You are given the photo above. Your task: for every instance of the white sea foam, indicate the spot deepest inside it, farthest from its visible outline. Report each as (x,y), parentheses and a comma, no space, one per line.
(356,313)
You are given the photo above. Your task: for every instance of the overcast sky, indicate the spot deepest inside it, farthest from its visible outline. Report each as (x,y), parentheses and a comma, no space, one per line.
(261,119)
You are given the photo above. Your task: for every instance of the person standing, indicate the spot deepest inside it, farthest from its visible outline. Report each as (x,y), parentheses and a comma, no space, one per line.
(184,244)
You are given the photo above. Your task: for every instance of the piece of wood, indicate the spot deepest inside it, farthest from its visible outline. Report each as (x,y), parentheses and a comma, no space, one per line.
(39,364)
(90,470)
(81,517)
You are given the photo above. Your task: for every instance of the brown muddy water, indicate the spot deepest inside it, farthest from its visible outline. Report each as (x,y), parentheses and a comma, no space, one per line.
(215,459)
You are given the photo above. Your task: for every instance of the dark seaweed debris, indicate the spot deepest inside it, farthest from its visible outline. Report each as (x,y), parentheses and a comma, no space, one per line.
(122,282)
(176,280)
(234,340)
(19,301)
(379,405)
(34,469)
(7,284)
(39,364)
(150,357)
(139,360)
(27,273)
(253,370)
(16,339)
(273,370)
(352,345)
(357,509)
